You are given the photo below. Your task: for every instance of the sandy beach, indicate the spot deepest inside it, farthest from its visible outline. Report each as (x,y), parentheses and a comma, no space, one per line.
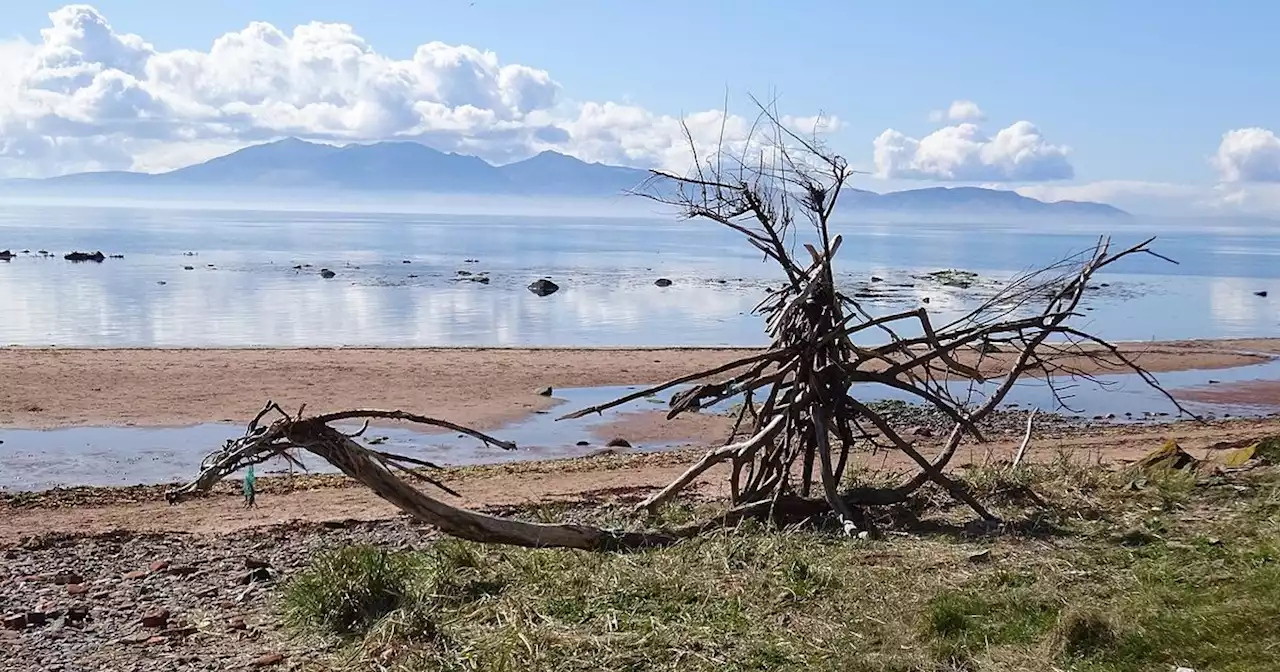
(483,387)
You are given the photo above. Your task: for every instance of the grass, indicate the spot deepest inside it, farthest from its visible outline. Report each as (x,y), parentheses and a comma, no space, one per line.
(1123,580)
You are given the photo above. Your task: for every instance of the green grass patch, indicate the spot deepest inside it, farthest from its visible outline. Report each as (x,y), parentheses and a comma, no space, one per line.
(1134,586)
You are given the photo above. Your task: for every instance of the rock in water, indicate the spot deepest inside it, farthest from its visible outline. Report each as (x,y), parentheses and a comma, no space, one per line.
(326,273)
(545,392)
(84,256)
(6,255)
(662,282)
(618,443)
(543,287)
(1262,293)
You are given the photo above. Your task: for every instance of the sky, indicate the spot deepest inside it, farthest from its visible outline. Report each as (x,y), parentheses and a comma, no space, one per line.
(1167,107)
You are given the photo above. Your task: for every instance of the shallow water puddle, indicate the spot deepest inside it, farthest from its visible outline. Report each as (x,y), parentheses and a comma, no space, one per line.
(114,456)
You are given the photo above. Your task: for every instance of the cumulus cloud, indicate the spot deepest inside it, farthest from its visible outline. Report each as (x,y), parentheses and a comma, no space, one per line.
(964,153)
(1248,155)
(90,96)
(960,111)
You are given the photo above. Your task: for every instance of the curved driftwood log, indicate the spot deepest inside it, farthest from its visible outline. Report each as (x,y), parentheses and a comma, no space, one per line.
(378,471)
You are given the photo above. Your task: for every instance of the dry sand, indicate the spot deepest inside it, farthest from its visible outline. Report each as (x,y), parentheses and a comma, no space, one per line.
(44,388)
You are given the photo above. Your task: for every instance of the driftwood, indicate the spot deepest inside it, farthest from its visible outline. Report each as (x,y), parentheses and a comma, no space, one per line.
(802,397)
(378,471)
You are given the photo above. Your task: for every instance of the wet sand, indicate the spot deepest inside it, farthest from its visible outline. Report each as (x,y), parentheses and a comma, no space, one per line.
(606,478)
(485,388)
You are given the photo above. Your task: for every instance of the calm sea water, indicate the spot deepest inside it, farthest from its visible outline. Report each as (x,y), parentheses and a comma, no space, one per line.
(223,277)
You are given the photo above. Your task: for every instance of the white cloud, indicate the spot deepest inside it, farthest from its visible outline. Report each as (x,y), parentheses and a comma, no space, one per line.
(959,111)
(963,153)
(88,96)
(1248,155)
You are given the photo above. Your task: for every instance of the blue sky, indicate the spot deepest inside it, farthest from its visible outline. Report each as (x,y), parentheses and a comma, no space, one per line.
(1139,92)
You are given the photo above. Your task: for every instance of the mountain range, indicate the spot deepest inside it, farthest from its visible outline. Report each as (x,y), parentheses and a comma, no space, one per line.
(412,167)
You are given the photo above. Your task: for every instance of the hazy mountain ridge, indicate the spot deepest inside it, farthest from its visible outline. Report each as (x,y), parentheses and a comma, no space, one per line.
(412,167)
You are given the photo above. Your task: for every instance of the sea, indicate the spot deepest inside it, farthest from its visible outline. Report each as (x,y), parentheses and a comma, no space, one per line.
(229,275)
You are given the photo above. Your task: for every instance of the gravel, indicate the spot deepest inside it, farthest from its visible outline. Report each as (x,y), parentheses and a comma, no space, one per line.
(126,601)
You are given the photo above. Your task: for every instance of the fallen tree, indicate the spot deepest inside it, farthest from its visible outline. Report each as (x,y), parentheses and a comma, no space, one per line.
(803,409)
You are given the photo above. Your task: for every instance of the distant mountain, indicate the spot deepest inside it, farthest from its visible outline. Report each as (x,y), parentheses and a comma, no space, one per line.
(972,200)
(412,167)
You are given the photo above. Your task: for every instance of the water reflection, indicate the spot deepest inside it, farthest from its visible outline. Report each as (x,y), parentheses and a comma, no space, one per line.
(242,288)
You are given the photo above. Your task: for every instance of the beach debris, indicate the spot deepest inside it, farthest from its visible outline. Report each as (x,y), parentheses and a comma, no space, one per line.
(662,282)
(1169,456)
(77,257)
(543,287)
(327,274)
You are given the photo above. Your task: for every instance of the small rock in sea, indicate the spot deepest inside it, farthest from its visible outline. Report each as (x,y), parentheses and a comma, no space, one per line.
(6,255)
(618,442)
(920,431)
(96,257)
(482,279)
(412,276)
(543,287)
(188,268)
(876,278)
(1262,293)
(298,267)
(470,261)
(155,619)
(117,256)
(326,273)
(161,282)
(1111,416)
(1214,382)
(584,443)
(662,282)
(924,300)
(406,261)
(464,273)
(545,392)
